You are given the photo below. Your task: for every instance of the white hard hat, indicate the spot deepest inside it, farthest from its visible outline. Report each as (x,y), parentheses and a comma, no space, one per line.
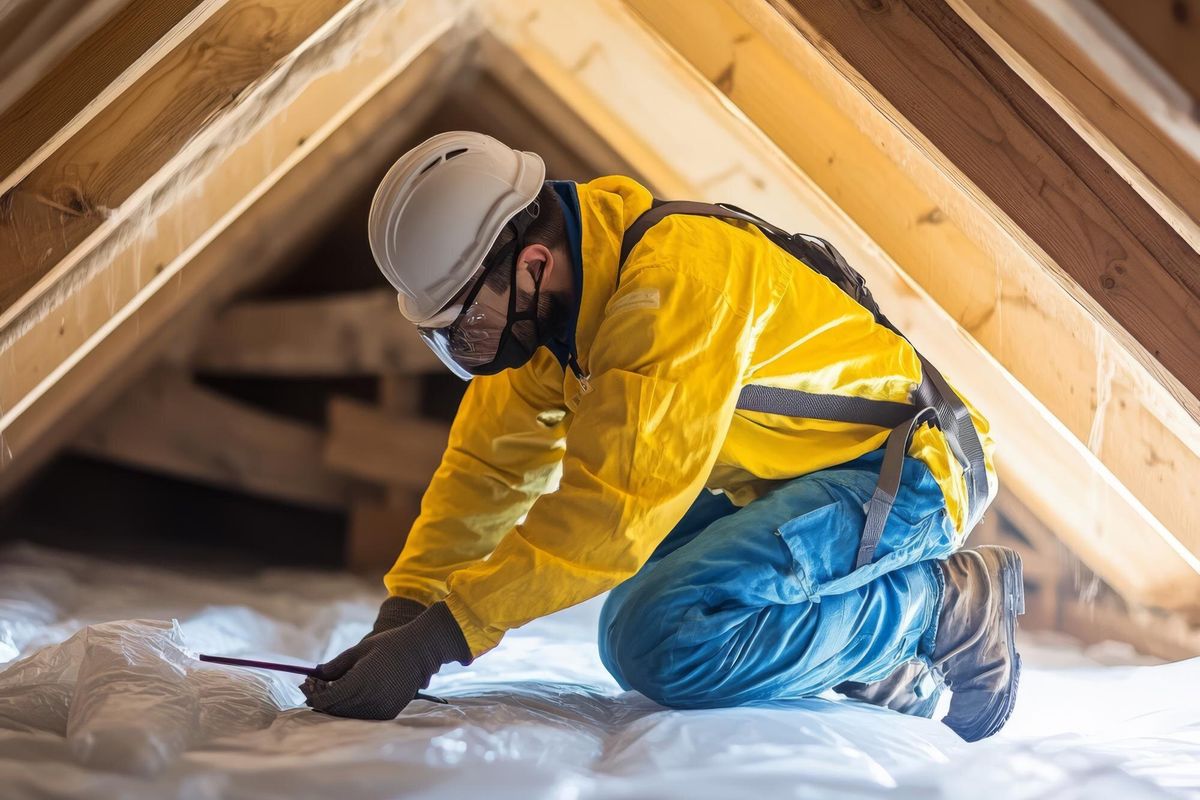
(438,211)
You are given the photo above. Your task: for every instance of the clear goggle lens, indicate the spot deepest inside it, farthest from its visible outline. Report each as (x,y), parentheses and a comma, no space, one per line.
(470,337)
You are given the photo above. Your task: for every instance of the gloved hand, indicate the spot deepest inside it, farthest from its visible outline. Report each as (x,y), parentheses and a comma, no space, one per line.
(394,612)
(379,676)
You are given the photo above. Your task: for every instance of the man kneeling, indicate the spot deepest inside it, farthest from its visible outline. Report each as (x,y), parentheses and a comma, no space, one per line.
(770,480)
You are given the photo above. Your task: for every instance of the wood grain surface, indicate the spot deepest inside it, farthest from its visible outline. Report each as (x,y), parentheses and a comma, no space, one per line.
(37,34)
(83,73)
(1069,61)
(73,191)
(1169,30)
(1022,158)
(168,424)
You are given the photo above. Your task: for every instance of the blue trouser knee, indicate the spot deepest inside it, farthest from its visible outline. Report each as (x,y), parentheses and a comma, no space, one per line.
(764,602)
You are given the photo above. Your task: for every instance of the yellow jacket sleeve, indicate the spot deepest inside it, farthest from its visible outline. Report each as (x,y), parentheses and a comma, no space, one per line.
(665,371)
(505,449)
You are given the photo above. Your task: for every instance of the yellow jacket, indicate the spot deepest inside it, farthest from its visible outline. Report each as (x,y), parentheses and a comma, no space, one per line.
(703,308)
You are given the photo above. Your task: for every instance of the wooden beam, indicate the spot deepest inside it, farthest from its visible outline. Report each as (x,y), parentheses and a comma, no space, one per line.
(104,62)
(167,424)
(340,131)
(78,193)
(366,442)
(723,157)
(351,334)
(36,34)
(1169,30)
(1074,61)
(1020,168)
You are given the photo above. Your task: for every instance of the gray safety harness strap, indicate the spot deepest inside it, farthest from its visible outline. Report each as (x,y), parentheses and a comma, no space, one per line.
(933,401)
(833,407)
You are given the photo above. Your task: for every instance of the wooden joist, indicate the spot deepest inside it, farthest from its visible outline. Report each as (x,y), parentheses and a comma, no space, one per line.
(351,334)
(168,424)
(368,443)
(356,93)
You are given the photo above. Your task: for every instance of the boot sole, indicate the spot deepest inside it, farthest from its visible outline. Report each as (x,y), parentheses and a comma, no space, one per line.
(1013,582)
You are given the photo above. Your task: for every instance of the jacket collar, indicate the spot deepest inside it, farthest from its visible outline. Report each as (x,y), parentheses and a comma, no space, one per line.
(568,201)
(597,214)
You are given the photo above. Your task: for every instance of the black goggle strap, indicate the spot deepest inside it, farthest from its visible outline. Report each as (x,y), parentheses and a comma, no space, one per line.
(519,223)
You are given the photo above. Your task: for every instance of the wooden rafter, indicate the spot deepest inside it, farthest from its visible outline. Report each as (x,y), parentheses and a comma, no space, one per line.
(169,425)
(1071,60)
(350,334)
(87,77)
(1017,162)
(36,34)
(189,251)
(71,195)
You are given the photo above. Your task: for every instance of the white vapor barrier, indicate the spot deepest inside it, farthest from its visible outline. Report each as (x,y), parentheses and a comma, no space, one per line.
(100,697)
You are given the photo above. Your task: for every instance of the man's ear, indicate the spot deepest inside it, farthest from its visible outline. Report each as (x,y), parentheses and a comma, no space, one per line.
(537,256)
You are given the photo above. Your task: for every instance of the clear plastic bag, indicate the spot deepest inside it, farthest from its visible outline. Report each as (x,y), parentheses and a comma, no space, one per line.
(130,698)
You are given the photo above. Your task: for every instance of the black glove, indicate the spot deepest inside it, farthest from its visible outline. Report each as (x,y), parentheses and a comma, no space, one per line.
(379,676)
(395,612)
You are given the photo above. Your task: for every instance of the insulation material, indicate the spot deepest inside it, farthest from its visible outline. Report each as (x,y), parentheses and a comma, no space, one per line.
(101,697)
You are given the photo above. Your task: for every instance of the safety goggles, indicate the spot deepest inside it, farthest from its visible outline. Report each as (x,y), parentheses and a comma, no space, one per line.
(467,335)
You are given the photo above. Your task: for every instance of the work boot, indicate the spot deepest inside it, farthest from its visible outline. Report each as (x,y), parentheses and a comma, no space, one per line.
(913,688)
(975,648)
(974,652)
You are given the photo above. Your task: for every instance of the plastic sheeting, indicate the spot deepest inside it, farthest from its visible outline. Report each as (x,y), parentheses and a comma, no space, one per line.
(101,698)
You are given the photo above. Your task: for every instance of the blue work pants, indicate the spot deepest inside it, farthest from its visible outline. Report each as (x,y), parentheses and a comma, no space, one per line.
(739,605)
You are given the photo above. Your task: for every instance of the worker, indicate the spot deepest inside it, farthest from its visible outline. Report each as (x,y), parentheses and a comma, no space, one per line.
(603,446)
